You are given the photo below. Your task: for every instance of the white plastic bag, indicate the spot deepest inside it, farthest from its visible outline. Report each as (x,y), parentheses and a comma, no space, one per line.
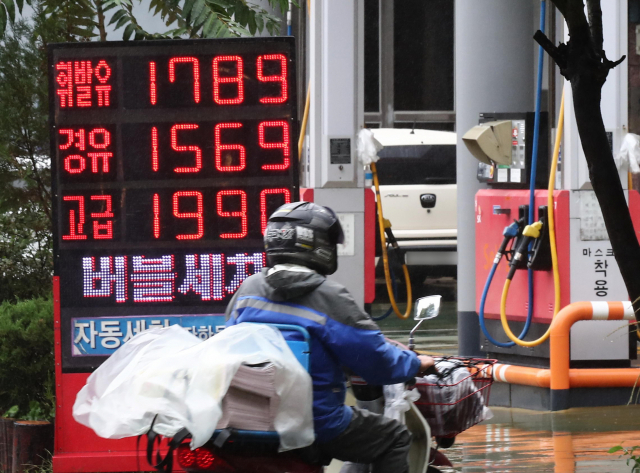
(457,403)
(367,147)
(629,153)
(397,400)
(173,374)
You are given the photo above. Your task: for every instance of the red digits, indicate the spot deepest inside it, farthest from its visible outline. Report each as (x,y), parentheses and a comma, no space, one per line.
(103,231)
(197,215)
(176,147)
(152,83)
(154,148)
(196,74)
(238,79)
(221,147)
(242,213)
(76,226)
(156,216)
(264,214)
(283,145)
(282,78)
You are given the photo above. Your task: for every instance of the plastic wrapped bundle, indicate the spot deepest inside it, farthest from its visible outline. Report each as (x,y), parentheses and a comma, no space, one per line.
(453,400)
(171,374)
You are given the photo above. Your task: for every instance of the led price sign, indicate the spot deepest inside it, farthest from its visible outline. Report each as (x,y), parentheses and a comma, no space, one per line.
(168,157)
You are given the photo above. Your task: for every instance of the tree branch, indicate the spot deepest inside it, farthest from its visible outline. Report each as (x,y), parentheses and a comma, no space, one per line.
(101,26)
(612,64)
(556,53)
(576,19)
(561,5)
(595,24)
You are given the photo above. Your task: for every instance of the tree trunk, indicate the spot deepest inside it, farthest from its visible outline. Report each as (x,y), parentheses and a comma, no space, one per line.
(101,26)
(606,181)
(583,62)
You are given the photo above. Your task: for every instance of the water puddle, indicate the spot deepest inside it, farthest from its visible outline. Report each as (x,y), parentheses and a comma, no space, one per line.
(573,441)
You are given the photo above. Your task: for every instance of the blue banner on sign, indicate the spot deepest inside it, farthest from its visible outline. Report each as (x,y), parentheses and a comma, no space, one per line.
(101,336)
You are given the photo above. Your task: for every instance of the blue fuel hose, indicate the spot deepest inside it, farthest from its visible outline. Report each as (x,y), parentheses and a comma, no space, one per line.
(536,124)
(509,233)
(532,190)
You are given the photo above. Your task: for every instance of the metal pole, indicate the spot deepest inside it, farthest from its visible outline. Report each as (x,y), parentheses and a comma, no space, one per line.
(494,73)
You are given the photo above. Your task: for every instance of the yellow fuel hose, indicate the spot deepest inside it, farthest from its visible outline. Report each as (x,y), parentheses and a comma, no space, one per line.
(303,125)
(385,256)
(552,241)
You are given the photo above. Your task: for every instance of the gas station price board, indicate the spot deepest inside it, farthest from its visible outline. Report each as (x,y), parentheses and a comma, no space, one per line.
(167,159)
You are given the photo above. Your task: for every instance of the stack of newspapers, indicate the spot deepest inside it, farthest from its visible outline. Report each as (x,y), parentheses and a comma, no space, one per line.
(251,403)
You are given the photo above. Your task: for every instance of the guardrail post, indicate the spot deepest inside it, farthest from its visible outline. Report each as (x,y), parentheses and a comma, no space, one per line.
(560,352)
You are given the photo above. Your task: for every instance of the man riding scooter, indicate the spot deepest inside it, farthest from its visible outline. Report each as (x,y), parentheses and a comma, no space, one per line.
(301,246)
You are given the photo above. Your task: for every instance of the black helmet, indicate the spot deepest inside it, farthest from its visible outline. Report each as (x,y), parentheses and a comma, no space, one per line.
(306,234)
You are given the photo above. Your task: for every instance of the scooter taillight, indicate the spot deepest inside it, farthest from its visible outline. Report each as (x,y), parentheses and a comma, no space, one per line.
(186,456)
(201,458)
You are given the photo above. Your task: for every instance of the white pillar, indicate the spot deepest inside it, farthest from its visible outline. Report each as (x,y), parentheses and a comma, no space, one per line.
(494,73)
(336,114)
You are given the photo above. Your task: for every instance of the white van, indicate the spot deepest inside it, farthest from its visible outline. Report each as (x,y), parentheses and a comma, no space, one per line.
(417,175)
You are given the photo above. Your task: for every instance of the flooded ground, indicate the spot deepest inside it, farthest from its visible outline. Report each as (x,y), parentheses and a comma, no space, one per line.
(518,440)
(573,441)
(439,335)
(436,336)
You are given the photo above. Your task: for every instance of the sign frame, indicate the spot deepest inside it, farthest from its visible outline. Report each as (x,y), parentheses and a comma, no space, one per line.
(78,449)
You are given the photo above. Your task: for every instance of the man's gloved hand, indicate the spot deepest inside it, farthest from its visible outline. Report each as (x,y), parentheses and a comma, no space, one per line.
(427,365)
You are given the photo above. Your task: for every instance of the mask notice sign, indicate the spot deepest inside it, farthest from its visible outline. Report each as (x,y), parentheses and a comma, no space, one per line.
(167,160)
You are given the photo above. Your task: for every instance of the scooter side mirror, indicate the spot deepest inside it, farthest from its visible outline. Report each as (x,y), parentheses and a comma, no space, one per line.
(427,308)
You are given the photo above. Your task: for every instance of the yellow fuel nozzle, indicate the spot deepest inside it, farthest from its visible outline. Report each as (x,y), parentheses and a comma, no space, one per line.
(533,230)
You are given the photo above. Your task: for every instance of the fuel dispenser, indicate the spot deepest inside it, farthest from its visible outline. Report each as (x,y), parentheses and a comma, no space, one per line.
(532,293)
(511,134)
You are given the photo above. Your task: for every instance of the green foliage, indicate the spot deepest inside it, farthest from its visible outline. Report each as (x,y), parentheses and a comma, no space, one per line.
(633,459)
(84,20)
(25,169)
(8,12)
(46,465)
(26,357)
(199,18)
(37,411)
(12,412)
(77,18)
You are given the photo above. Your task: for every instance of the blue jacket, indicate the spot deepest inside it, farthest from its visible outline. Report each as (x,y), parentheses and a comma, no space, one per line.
(342,336)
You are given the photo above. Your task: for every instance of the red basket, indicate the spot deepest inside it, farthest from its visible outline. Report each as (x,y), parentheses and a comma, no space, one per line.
(457,402)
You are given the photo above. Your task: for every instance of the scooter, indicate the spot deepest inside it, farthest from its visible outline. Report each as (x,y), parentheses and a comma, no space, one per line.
(237,451)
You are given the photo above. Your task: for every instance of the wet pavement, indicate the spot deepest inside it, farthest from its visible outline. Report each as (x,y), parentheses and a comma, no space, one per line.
(518,440)
(437,336)
(573,441)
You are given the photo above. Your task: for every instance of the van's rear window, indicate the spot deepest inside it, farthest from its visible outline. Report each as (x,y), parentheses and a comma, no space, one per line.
(417,164)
